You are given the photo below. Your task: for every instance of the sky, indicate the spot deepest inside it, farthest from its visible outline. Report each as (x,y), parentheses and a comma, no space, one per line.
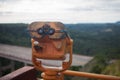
(66,11)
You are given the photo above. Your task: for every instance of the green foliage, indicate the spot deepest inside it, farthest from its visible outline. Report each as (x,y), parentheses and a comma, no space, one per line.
(113,68)
(75,68)
(4,62)
(6,72)
(89,39)
(93,39)
(99,64)
(15,34)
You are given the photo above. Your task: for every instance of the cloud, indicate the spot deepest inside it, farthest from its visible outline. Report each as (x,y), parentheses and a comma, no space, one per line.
(97,5)
(9,1)
(63,10)
(61,5)
(33,6)
(5,13)
(109,5)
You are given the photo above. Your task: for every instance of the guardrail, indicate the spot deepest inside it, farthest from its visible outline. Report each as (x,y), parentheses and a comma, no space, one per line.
(29,73)
(90,75)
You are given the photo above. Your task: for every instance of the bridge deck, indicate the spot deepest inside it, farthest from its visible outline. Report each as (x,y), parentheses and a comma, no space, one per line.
(23,54)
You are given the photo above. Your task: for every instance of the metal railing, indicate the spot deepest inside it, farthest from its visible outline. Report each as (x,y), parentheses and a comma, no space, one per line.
(90,75)
(29,73)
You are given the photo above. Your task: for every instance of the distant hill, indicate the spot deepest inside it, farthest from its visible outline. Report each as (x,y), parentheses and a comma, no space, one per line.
(99,40)
(113,68)
(15,34)
(92,39)
(89,39)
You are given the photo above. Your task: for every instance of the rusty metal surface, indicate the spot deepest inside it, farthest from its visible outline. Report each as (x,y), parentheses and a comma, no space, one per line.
(25,73)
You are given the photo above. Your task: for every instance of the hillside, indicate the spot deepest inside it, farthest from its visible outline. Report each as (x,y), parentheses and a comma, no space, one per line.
(15,34)
(89,39)
(113,68)
(99,40)
(93,39)
(100,66)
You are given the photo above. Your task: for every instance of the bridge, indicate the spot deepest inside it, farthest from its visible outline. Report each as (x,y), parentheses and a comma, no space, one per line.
(24,54)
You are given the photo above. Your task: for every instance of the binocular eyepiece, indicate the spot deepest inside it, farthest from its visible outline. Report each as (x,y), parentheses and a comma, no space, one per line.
(46,30)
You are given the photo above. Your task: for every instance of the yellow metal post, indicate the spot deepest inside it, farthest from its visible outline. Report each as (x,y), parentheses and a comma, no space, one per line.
(52,75)
(90,75)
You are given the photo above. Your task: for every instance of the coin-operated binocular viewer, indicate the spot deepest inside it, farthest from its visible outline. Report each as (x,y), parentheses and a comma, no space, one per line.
(51,49)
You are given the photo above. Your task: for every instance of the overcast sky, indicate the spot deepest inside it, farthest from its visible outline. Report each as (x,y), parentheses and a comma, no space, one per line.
(66,11)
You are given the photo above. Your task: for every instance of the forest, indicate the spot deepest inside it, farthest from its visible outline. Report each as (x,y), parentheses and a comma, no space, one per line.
(101,40)
(89,39)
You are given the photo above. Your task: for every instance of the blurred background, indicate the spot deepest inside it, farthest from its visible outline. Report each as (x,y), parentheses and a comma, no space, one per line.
(93,25)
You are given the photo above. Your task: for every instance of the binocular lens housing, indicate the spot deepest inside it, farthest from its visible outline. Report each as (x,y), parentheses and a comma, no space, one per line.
(40,31)
(46,31)
(51,31)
